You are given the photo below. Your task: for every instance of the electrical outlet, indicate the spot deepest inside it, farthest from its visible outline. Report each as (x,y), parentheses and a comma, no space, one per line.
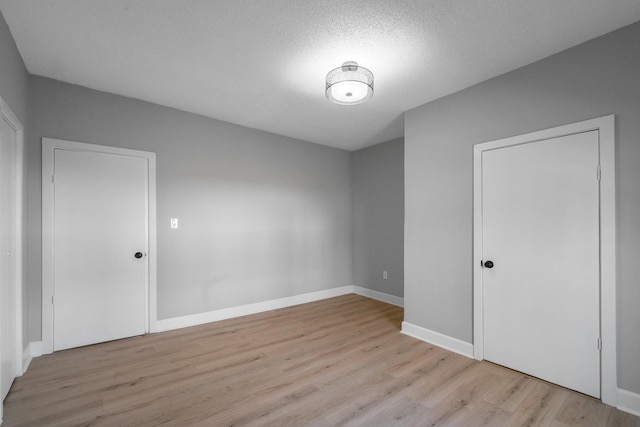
(385,275)
(174,223)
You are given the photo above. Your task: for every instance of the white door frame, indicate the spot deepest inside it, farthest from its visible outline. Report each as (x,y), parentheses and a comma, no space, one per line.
(48,147)
(606,127)
(17,195)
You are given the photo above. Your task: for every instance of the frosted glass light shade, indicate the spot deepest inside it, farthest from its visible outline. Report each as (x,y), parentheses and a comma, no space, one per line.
(349,84)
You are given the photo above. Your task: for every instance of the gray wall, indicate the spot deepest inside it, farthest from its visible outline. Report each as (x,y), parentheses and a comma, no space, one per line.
(14,79)
(261,216)
(14,85)
(377,188)
(597,78)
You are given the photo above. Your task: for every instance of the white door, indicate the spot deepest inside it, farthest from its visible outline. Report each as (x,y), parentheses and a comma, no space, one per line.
(540,210)
(100,267)
(8,341)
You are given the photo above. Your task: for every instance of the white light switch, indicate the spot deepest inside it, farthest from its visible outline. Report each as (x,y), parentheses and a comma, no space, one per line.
(174,222)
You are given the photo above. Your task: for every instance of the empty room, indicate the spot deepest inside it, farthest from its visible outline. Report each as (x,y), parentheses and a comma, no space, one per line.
(320,212)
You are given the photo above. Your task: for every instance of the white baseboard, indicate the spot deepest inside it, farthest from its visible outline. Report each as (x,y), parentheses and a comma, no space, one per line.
(436,338)
(380,296)
(26,358)
(33,349)
(629,401)
(244,310)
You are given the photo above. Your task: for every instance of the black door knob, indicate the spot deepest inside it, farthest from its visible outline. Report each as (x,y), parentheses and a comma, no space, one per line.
(488,264)
(139,255)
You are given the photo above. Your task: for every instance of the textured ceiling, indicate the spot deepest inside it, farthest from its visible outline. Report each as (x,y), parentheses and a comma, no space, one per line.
(262,64)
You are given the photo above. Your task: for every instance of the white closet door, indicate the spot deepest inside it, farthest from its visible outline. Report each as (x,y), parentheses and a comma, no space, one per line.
(100,224)
(8,337)
(540,209)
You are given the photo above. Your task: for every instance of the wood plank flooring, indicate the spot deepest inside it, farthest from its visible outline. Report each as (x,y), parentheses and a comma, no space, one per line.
(340,361)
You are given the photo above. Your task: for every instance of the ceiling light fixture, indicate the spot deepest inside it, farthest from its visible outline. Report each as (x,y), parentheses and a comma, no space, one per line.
(349,84)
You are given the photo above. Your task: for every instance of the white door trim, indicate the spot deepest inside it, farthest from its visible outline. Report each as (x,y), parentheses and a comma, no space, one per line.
(48,147)
(606,127)
(14,123)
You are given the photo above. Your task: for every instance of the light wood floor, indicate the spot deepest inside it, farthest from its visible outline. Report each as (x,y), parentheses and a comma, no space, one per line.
(340,361)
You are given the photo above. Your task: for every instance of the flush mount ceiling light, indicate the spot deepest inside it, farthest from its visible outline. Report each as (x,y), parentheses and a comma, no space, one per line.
(349,84)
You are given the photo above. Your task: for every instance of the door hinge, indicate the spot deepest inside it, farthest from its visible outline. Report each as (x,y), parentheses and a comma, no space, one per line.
(599,173)
(53,179)
(599,343)
(52,300)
